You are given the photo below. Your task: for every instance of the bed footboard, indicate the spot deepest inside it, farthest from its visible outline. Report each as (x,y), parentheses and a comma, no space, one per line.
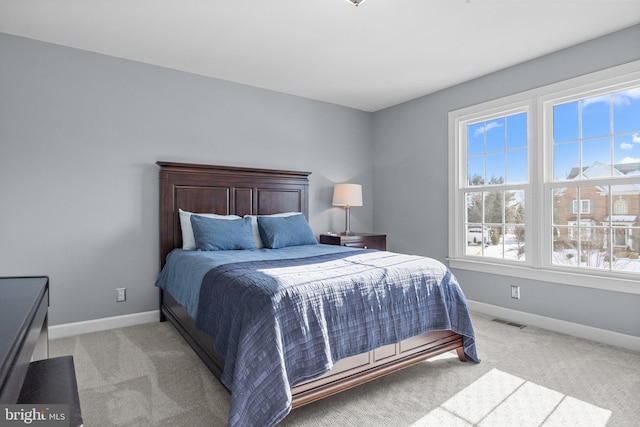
(359,369)
(347,373)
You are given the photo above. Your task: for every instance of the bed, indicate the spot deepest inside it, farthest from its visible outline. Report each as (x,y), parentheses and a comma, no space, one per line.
(225,190)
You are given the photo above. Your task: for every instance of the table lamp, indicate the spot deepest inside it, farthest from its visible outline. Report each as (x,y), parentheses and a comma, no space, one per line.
(347,195)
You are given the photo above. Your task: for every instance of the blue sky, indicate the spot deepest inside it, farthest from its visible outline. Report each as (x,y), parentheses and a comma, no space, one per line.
(603,129)
(607,128)
(502,145)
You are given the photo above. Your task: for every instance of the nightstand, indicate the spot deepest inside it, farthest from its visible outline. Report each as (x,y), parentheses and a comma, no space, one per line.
(356,240)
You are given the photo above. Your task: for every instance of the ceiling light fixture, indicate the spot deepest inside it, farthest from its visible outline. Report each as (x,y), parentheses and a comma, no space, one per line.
(356,2)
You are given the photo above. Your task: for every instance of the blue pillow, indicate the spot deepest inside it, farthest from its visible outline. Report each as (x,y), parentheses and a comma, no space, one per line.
(213,234)
(280,232)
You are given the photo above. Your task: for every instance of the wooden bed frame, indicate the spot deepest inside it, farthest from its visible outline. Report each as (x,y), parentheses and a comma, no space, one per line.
(243,191)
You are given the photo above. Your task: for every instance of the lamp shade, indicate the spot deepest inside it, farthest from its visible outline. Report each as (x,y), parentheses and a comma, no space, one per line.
(347,195)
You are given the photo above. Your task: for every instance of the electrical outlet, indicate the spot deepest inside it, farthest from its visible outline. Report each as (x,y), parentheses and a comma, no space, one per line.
(121,294)
(515,291)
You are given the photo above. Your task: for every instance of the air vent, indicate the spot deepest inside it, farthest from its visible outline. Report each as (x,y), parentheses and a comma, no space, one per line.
(506,322)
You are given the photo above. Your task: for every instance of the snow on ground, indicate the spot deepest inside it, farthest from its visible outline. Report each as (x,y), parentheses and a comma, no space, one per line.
(567,257)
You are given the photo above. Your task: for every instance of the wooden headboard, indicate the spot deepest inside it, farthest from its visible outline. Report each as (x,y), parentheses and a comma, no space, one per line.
(225,190)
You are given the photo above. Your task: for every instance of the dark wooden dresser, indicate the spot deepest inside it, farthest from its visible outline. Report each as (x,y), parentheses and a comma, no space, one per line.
(24,303)
(27,375)
(356,240)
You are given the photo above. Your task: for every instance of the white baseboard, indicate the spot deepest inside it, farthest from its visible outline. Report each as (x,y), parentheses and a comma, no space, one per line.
(587,332)
(582,331)
(77,328)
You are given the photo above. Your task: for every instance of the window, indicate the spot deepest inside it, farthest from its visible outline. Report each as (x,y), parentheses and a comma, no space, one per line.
(496,165)
(595,143)
(585,206)
(549,181)
(620,207)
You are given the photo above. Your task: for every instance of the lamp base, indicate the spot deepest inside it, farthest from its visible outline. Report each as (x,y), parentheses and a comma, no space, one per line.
(347,218)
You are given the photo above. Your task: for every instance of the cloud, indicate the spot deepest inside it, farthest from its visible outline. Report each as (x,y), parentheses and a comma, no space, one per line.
(626,97)
(595,100)
(635,138)
(486,128)
(492,125)
(630,160)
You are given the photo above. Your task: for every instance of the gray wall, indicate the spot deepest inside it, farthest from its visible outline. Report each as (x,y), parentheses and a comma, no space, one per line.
(411,172)
(79,137)
(80,134)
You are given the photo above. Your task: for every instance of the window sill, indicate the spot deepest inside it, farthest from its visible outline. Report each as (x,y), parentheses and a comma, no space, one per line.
(583,279)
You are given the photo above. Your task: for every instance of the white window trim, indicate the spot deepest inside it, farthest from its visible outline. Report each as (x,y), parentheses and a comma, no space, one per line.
(538,219)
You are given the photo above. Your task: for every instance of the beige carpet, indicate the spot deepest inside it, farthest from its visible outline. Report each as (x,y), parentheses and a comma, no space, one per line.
(147,376)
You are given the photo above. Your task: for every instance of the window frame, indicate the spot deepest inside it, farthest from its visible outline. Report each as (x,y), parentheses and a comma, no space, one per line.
(488,115)
(538,249)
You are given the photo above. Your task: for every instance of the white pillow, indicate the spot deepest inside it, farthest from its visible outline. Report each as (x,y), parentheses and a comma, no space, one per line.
(188,241)
(256,231)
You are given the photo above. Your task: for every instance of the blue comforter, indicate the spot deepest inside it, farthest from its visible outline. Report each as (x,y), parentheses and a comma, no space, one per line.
(279,322)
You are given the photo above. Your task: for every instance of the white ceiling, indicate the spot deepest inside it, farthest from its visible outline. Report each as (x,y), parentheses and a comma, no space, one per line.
(369,57)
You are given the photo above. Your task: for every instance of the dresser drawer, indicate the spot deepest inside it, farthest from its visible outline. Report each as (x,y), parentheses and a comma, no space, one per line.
(357,240)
